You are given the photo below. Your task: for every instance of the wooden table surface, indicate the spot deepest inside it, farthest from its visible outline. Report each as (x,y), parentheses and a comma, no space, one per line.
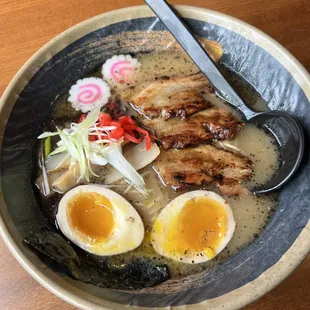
(26,25)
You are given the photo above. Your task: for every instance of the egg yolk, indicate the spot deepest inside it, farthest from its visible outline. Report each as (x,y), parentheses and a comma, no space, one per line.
(91,214)
(199,227)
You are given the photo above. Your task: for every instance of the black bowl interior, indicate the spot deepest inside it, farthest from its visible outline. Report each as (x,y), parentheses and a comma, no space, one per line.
(266,75)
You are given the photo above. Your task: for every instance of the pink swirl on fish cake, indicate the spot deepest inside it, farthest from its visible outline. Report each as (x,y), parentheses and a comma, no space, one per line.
(119,73)
(120,69)
(89,93)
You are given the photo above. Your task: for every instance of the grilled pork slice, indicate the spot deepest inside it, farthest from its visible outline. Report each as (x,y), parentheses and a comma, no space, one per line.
(200,128)
(180,96)
(204,164)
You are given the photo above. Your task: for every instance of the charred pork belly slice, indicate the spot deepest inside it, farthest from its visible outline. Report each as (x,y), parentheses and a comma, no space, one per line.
(203,127)
(204,164)
(170,97)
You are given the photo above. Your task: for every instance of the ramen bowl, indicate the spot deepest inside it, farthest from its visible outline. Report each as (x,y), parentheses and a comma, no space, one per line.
(256,58)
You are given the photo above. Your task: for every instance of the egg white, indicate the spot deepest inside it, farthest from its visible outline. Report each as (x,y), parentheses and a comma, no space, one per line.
(170,213)
(128,231)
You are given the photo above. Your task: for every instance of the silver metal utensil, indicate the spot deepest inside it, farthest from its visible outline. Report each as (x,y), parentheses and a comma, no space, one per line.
(286,130)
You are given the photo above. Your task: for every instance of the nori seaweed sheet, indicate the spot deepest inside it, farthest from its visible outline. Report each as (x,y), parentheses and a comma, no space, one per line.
(138,274)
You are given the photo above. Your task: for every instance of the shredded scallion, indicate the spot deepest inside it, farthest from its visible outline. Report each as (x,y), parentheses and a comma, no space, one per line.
(76,142)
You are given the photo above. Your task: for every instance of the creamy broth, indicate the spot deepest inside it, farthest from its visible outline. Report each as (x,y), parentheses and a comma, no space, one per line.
(251,213)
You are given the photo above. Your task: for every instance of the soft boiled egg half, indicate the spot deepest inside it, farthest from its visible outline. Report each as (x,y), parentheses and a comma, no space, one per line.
(194,227)
(99,220)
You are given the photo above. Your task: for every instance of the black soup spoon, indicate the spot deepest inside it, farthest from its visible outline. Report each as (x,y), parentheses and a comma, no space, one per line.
(285,129)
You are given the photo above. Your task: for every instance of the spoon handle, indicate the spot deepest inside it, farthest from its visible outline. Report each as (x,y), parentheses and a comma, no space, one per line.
(198,54)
